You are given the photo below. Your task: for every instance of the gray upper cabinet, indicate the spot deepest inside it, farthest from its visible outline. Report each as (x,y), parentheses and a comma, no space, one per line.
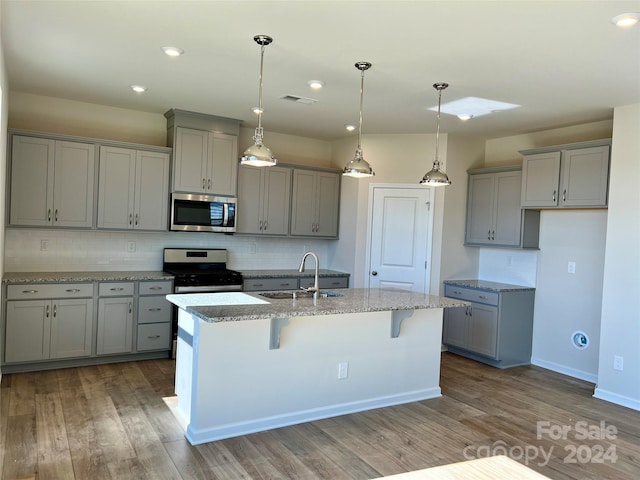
(133,189)
(264,196)
(205,156)
(494,217)
(315,203)
(570,176)
(52,182)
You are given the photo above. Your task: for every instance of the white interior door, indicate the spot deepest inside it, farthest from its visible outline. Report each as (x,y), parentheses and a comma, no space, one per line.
(400,237)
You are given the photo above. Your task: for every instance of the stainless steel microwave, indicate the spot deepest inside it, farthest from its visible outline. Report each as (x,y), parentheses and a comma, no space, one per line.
(202,213)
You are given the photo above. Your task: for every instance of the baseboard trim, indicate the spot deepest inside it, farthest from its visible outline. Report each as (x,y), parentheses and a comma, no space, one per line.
(571,372)
(196,437)
(617,399)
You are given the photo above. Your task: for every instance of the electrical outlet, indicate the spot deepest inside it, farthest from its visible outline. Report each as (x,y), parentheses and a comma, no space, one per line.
(44,245)
(571,267)
(343,370)
(131,247)
(618,362)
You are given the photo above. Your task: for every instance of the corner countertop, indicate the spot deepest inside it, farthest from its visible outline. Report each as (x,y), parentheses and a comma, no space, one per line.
(228,307)
(309,272)
(488,285)
(60,277)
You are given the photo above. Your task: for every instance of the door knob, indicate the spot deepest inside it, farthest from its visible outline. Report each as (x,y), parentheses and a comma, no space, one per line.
(374,273)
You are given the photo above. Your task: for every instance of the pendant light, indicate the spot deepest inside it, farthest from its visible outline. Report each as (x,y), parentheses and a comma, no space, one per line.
(359,167)
(258,154)
(436,177)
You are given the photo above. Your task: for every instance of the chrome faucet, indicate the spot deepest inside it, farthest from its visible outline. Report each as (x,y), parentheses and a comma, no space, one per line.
(315,289)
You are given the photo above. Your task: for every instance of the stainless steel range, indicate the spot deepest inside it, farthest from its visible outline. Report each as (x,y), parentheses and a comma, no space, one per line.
(201,270)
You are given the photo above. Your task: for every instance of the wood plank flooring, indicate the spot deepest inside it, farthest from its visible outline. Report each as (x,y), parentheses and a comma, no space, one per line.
(110,422)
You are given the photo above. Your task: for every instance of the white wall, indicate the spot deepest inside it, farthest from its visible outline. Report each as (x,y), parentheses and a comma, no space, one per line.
(4,104)
(620,330)
(566,303)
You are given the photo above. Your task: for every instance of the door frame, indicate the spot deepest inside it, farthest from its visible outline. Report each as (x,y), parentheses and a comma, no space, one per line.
(429,243)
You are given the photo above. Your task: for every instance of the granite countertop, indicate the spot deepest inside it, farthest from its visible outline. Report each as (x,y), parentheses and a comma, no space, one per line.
(309,272)
(58,277)
(487,285)
(352,300)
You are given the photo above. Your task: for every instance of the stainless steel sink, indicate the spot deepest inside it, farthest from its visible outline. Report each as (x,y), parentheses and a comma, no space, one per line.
(297,294)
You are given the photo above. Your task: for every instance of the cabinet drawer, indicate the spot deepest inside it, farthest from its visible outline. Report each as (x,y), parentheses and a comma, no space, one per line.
(156,288)
(471,295)
(49,290)
(116,289)
(154,336)
(153,310)
(257,284)
(326,282)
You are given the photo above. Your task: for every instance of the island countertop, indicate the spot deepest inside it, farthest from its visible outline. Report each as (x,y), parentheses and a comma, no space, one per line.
(231,307)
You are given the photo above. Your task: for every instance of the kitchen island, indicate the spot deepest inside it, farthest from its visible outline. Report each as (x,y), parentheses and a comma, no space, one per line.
(247,363)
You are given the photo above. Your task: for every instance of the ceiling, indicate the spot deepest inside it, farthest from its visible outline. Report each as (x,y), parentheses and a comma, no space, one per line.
(563,62)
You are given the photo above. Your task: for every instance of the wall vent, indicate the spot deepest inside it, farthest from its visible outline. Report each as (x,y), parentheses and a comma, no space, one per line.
(297,99)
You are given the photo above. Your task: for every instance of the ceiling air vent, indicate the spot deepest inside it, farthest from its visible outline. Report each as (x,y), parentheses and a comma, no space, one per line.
(297,99)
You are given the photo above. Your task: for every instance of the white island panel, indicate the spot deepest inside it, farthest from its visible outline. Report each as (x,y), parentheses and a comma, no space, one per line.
(238,385)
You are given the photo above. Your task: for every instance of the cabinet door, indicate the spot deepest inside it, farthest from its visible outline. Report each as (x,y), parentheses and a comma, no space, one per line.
(74,173)
(483,330)
(32,163)
(585,177)
(151,192)
(540,180)
(28,330)
(71,327)
(303,202)
(507,212)
(276,200)
(115,325)
(480,205)
(456,326)
(191,158)
(327,204)
(223,164)
(116,187)
(250,195)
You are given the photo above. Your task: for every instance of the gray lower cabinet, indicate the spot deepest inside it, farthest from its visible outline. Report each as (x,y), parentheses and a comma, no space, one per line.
(154,316)
(115,318)
(52,321)
(496,328)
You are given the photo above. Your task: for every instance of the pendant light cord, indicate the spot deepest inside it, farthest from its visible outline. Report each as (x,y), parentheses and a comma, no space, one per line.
(437,159)
(360,121)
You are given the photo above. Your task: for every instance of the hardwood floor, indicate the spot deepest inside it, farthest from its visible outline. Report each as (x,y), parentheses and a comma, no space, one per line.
(110,422)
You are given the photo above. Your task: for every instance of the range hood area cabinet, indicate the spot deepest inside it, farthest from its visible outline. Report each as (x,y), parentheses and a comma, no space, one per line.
(566,176)
(205,152)
(494,216)
(264,197)
(52,182)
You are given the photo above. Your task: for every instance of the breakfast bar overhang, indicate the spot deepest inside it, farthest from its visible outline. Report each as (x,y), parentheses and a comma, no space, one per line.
(247,363)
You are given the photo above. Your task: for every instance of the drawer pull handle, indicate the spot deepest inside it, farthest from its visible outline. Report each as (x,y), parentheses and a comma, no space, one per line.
(257,285)
(286,284)
(482,297)
(335,283)
(116,289)
(49,215)
(47,311)
(155,309)
(457,292)
(30,291)
(55,217)
(130,307)
(72,290)
(55,310)
(153,337)
(155,288)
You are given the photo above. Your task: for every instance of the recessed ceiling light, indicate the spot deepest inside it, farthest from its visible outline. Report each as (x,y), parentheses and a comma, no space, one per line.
(316,84)
(350,128)
(474,106)
(626,20)
(139,88)
(173,51)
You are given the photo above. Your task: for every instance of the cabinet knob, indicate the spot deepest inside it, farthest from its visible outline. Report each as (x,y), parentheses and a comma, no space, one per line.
(374,273)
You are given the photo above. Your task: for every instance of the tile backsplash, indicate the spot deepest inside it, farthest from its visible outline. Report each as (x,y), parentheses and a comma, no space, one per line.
(39,250)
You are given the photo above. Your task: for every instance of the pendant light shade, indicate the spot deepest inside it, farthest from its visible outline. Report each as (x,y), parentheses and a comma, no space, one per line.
(359,167)
(258,154)
(436,177)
